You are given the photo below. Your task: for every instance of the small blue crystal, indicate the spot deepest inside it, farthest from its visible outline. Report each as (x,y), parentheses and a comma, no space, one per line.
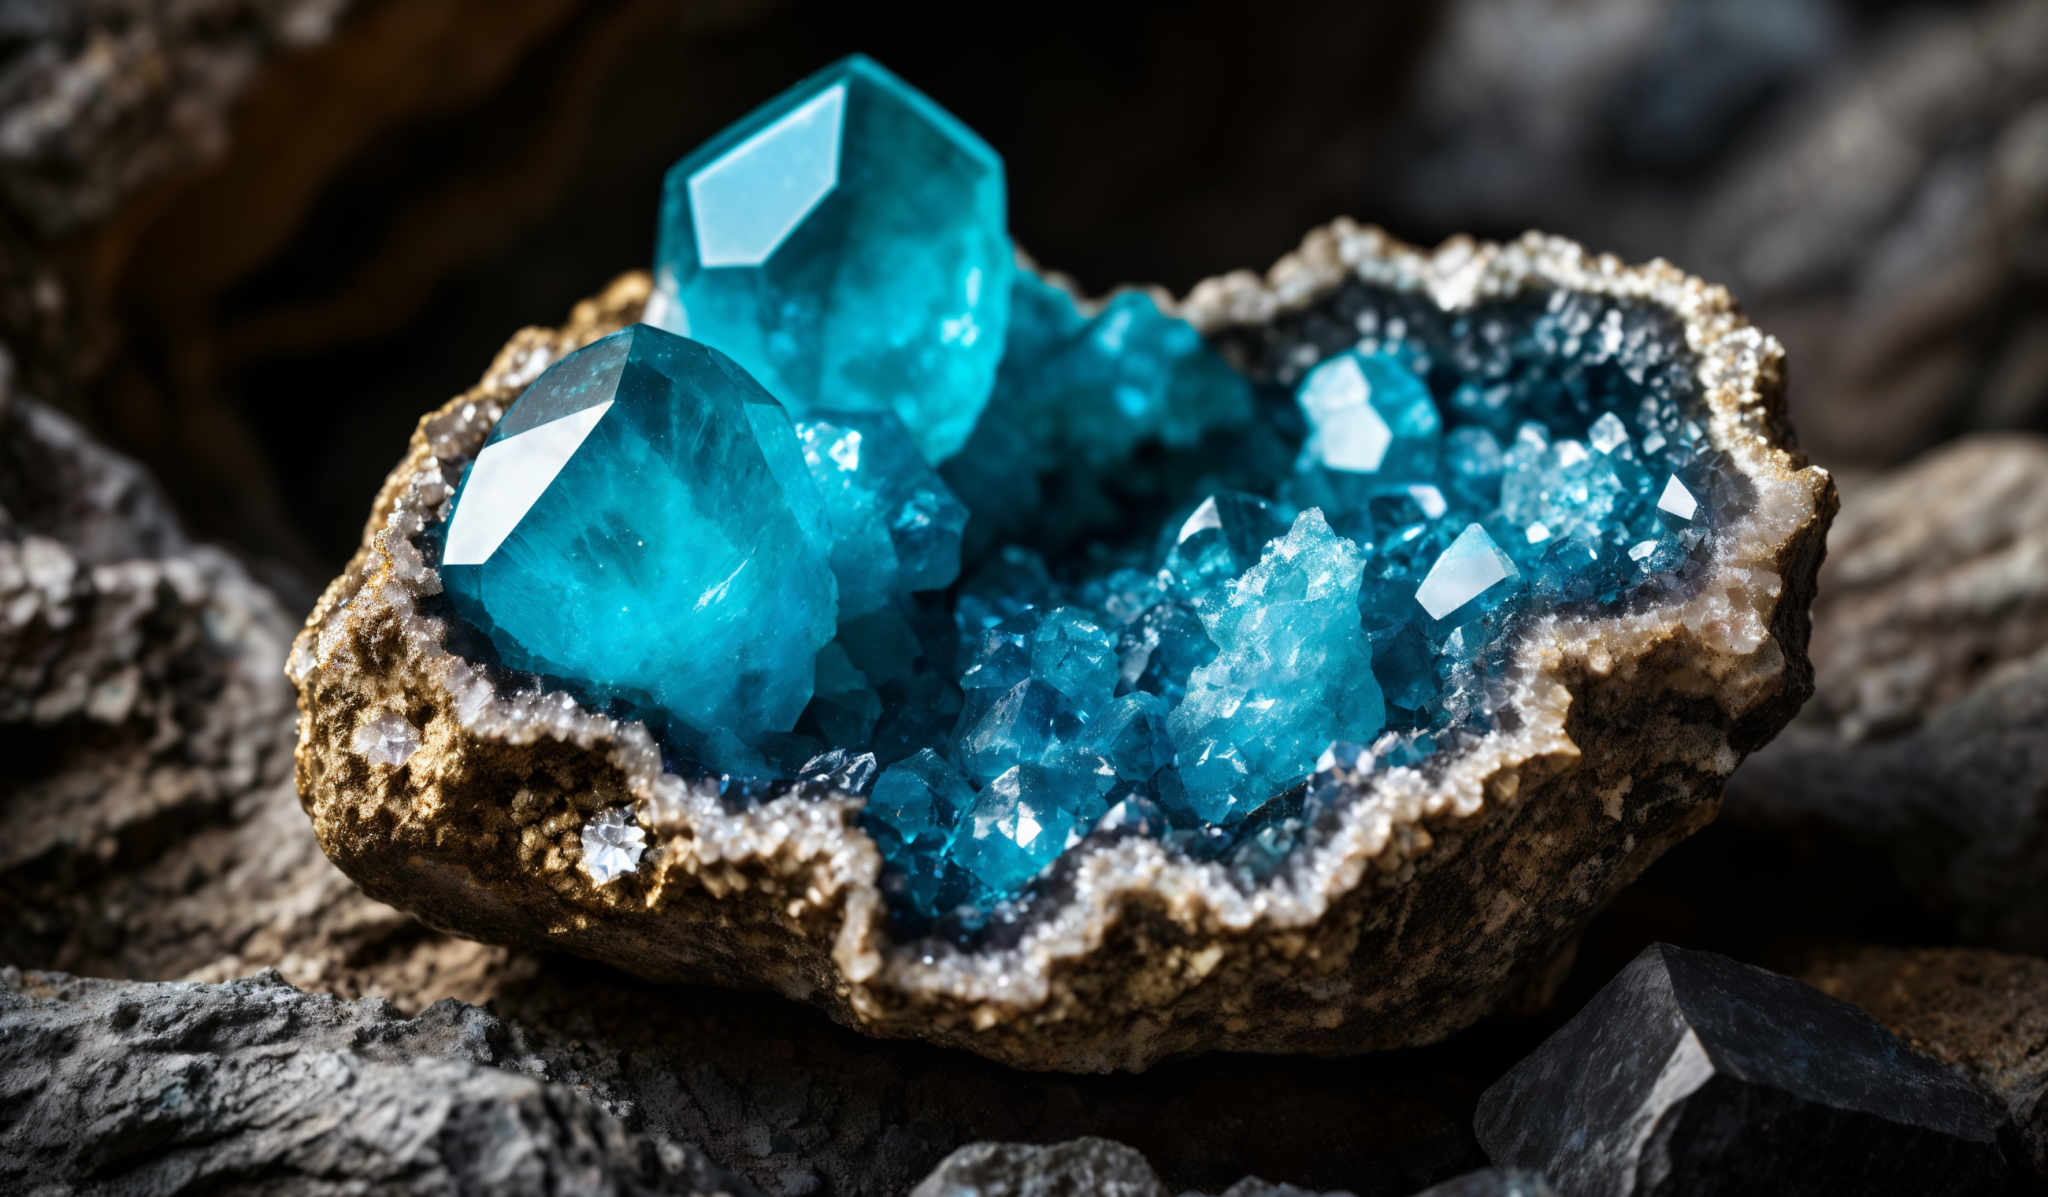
(1368,414)
(1028,723)
(847,244)
(920,800)
(894,526)
(1221,539)
(640,478)
(1131,738)
(1472,567)
(1293,674)
(1019,823)
(1089,390)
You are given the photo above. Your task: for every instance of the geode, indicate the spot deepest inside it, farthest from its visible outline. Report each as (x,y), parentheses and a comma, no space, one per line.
(1424,894)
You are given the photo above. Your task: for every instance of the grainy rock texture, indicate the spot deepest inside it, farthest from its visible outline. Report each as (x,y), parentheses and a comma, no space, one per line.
(1983,1013)
(163,1087)
(152,827)
(1919,775)
(1437,897)
(1074,1169)
(1691,1073)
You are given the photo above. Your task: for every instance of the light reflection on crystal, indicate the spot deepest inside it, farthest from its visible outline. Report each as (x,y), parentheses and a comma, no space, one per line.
(385,738)
(612,845)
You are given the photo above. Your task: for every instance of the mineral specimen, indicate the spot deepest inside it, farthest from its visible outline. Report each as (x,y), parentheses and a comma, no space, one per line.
(845,243)
(1692,1073)
(1112,924)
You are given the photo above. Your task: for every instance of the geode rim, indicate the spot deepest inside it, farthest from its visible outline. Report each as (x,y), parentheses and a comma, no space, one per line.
(1434,896)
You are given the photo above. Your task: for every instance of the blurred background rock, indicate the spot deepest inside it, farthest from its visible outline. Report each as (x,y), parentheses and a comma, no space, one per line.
(250,240)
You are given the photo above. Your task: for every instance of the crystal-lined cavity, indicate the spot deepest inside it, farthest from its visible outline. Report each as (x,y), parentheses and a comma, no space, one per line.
(1022,573)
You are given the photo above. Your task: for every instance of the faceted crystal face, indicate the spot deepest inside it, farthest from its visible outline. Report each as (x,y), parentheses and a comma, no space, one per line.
(641,526)
(847,244)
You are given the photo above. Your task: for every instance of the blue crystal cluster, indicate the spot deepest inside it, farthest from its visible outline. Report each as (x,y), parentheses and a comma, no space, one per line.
(1021,571)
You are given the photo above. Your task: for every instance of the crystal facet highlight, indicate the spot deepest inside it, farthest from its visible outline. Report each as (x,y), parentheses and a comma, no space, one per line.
(665,559)
(847,244)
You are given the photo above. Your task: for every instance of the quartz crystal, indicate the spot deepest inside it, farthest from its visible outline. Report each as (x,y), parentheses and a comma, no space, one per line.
(1148,597)
(386,738)
(612,845)
(846,243)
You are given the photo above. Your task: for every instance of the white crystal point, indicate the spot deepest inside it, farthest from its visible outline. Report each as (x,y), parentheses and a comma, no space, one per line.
(1677,500)
(1469,568)
(1349,434)
(385,738)
(1608,433)
(612,845)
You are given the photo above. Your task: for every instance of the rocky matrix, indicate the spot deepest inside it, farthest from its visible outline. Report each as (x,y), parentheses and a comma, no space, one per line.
(1192,609)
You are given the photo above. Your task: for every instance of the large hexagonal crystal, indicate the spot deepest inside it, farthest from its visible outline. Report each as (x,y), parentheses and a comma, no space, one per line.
(846,244)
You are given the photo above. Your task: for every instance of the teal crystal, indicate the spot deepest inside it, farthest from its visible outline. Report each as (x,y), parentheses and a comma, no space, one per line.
(847,244)
(1294,673)
(1150,595)
(895,527)
(641,478)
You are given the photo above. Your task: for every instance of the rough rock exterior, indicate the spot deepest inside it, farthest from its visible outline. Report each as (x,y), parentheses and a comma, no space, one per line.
(1441,896)
(188,1087)
(152,828)
(1691,1073)
(1917,781)
(1983,1013)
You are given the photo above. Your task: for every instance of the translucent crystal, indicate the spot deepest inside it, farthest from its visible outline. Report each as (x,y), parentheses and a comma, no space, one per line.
(385,738)
(1472,566)
(648,487)
(1293,674)
(847,244)
(612,845)
(895,527)
(1368,414)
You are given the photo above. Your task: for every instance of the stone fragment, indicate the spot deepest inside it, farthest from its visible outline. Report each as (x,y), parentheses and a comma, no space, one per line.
(846,244)
(1071,1169)
(1692,1073)
(648,485)
(1985,1014)
(156,1087)
(153,825)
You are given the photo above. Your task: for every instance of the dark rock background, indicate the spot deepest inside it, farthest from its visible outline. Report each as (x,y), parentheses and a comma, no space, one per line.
(246,242)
